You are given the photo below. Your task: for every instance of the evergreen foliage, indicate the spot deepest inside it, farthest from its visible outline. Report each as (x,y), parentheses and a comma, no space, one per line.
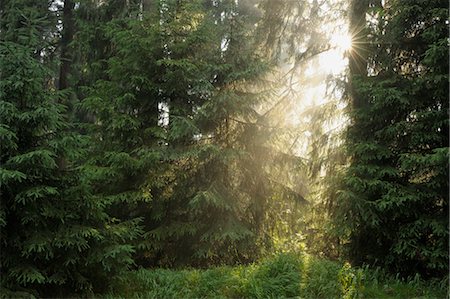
(393,199)
(157,133)
(56,239)
(177,135)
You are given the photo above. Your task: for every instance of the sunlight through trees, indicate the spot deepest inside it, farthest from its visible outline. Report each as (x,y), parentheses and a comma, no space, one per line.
(203,133)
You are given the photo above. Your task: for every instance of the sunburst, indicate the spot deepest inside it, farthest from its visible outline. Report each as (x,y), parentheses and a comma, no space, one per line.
(342,41)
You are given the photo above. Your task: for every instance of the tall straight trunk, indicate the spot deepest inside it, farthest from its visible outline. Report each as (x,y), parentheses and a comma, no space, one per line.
(358,67)
(150,5)
(67,37)
(358,59)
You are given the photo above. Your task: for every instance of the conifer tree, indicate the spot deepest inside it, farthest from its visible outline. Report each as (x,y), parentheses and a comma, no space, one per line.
(221,190)
(178,139)
(393,202)
(56,239)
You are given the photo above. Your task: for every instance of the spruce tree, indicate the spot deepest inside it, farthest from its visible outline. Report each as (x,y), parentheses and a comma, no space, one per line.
(178,140)
(221,191)
(56,239)
(392,209)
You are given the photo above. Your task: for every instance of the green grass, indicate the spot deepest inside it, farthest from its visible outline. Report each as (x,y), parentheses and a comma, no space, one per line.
(283,276)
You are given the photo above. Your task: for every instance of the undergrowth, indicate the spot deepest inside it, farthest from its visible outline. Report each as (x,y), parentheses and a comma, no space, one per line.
(282,276)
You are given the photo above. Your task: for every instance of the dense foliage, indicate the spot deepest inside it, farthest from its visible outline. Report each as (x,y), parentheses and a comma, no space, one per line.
(56,237)
(393,199)
(140,133)
(280,276)
(176,132)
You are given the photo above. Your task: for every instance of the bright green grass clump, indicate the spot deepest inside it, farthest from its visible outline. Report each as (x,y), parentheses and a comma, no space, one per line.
(283,276)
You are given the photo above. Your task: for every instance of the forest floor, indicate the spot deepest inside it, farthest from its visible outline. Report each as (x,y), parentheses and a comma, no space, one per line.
(282,276)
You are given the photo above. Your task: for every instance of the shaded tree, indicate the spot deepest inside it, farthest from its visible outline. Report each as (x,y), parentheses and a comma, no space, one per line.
(392,207)
(56,238)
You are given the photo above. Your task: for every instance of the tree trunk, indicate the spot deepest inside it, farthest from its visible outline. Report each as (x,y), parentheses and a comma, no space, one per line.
(358,57)
(67,37)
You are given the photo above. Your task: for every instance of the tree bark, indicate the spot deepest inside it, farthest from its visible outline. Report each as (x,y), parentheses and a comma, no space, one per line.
(149,5)
(358,57)
(67,37)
